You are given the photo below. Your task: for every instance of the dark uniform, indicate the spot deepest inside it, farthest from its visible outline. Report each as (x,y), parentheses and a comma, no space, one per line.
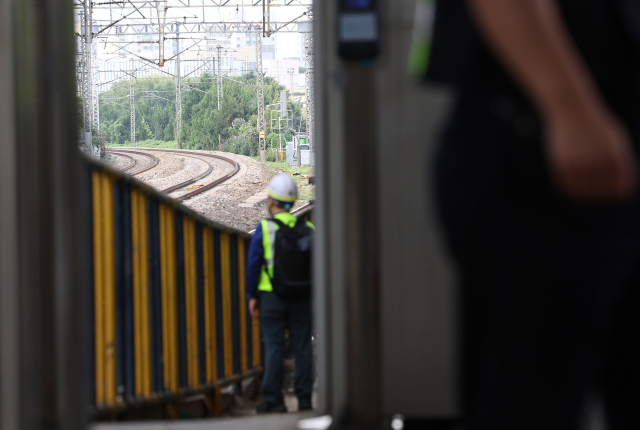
(278,314)
(550,289)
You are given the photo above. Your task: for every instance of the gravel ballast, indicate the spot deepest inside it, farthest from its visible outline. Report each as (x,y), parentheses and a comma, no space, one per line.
(220,203)
(118,161)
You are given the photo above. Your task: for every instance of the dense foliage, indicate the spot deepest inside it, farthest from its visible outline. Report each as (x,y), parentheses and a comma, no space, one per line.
(203,124)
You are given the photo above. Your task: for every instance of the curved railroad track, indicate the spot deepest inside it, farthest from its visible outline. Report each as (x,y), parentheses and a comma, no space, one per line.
(204,187)
(189,181)
(132,169)
(132,161)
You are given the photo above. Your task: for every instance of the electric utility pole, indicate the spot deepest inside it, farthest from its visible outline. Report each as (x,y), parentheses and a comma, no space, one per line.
(132,103)
(87,99)
(161,8)
(309,90)
(178,94)
(220,94)
(292,90)
(94,91)
(260,85)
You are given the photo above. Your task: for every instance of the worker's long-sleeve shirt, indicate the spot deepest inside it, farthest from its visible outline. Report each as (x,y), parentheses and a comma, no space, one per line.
(255,263)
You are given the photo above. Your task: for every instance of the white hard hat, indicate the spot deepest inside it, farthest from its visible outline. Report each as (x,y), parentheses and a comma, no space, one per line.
(283,188)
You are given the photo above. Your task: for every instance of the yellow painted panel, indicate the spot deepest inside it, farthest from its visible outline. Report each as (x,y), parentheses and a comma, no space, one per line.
(98,278)
(169,305)
(191,301)
(242,303)
(109,289)
(209,304)
(145,321)
(163,291)
(135,245)
(226,304)
(173,299)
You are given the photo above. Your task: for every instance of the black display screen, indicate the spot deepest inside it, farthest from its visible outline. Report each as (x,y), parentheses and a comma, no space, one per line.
(358,4)
(358,29)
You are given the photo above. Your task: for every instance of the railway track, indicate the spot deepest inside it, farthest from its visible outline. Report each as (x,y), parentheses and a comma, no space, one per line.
(204,187)
(132,169)
(298,211)
(189,181)
(132,161)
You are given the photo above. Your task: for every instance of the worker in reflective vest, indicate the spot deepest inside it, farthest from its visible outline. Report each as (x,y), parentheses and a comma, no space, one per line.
(278,313)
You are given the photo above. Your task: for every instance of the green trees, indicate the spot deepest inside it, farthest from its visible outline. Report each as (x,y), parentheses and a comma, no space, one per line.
(202,122)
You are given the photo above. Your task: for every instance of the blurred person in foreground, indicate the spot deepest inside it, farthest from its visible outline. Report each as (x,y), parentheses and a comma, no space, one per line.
(537,185)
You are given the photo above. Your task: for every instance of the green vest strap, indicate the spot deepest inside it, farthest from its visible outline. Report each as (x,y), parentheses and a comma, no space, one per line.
(269,229)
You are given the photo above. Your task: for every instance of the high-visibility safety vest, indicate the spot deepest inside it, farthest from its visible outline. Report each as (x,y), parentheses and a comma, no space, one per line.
(269,229)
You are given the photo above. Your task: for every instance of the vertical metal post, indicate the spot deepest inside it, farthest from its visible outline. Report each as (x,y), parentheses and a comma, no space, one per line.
(362,241)
(310,95)
(178,92)
(307,87)
(269,19)
(219,85)
(264,20)
(292,87)
(87,99)
(161,7)
(96,109)
(283,103)
(81,68)
(79,58)
(260,85)
(42,317)
(132,103)
(94,82)
(347,254)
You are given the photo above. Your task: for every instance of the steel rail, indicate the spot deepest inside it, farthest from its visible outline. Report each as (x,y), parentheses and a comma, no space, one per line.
(301,208)
(209,185)
(190,180)
(214,183)
(153,164)
(236,169)
(128,166)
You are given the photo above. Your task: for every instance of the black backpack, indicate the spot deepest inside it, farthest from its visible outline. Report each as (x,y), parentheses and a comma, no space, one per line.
(292,260)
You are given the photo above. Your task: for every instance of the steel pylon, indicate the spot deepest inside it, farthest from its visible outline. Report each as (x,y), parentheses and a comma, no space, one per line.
(260,84)
(132,103)
(309,90)
(220,93)
(178,96)
(86,83)
(94,91)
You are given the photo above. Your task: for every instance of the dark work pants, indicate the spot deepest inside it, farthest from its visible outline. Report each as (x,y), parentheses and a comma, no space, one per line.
(550,290)
(276,314)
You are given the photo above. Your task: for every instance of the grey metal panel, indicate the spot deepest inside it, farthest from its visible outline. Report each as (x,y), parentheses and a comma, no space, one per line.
(415,312)
(9,338)
(70,311)
(305,157)
(417,303)
(290,153)
(41,290)
(330,255)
